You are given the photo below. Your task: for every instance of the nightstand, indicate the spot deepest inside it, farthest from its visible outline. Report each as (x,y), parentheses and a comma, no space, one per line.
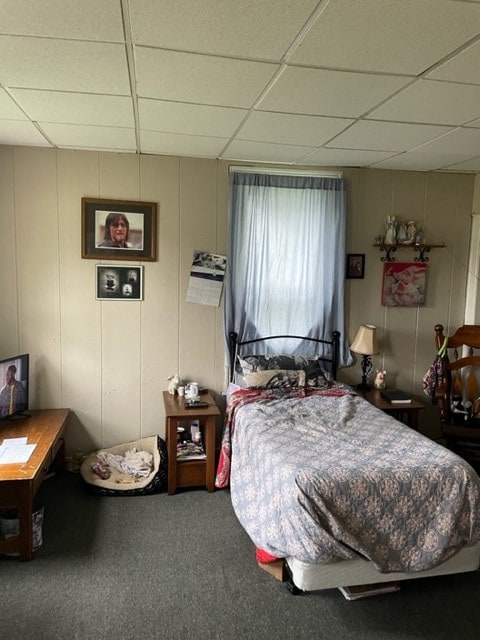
(407,412)
(190,473)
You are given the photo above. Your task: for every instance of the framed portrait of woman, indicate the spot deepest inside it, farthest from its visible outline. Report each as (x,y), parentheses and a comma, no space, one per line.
(119,229)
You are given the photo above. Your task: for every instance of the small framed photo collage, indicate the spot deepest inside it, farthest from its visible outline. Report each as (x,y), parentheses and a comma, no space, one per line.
(120,230)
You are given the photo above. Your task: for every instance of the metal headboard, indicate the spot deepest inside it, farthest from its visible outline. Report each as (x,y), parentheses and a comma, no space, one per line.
(333,344)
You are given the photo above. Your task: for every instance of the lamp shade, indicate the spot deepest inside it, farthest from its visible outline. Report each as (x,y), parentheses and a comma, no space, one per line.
(366,340)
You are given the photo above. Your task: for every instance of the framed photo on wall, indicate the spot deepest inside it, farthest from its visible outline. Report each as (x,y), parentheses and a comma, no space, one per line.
(115,282)
(119,229)
(404,284)
(355,265)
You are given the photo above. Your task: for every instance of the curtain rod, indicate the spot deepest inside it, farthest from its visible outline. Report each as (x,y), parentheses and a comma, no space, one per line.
(287,172)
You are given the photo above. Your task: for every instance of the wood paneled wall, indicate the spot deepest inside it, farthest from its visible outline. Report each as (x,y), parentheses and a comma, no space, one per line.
(109,360)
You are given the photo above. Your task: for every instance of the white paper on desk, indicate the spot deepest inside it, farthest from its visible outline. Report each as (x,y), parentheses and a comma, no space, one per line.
(16,454)
(14,441)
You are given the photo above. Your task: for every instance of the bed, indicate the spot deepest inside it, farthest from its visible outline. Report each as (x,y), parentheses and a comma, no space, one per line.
(331,488)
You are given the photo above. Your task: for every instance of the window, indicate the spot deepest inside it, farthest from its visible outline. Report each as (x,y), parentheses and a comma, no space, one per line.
(287,257)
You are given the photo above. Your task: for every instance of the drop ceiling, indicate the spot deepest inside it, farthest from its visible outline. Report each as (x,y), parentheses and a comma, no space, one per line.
(391,84)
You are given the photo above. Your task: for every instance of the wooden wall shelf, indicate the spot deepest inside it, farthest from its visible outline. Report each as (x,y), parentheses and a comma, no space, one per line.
(422,249)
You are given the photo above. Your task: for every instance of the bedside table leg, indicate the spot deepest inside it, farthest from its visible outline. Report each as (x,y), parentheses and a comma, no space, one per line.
(171,433)
(413,419)
(210,451)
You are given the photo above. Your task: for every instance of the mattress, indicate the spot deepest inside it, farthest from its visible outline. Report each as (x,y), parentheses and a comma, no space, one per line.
(324,477)
(311,577)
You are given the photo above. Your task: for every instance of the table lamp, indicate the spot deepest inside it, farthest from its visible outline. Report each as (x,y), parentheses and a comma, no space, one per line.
(365,344)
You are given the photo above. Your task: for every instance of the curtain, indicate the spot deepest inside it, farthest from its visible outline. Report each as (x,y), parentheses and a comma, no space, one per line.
(286,267)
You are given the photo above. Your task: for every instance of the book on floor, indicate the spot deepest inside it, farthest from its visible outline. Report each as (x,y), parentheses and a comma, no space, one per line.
(366,590)
(396,397)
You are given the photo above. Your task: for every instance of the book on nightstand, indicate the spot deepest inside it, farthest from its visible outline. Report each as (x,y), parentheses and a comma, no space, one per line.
(396,397)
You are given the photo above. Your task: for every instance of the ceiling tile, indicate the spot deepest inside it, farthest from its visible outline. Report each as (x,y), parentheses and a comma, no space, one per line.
(76,108)
(386,136)
(466,141)
(342,157)
(235,28)
(264,152)
(388,35)
(194,119)
(186,77)
(458,146)
(66,65)
(416,161)
(184,145)
(88,19)
(468,165)
(328,93)
(429,101)
(8,109)
(464,67)
(86,137)
(263,126)
(13,132)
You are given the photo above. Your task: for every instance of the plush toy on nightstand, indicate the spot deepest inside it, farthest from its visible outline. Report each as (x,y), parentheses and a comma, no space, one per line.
(380,382)
(173,384)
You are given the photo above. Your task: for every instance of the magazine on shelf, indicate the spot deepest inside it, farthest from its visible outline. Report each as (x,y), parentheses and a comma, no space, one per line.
(190,451)
(396,397)
(366,590)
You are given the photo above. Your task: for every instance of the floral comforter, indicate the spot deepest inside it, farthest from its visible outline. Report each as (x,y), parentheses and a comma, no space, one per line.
(324,476)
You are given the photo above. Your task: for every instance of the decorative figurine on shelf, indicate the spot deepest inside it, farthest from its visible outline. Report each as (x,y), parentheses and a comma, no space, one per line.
(391,227)
(380,380)
(173,384)
(401,233)
(411,232)
(419,237)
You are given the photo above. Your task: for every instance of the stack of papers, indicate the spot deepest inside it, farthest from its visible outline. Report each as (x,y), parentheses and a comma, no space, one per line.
(15,451)
(366,590)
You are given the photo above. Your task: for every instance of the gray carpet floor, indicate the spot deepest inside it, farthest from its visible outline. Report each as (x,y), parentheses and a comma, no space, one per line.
(181,567)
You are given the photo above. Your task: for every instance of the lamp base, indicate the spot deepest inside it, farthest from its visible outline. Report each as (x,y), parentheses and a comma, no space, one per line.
(363,386)
(367,366)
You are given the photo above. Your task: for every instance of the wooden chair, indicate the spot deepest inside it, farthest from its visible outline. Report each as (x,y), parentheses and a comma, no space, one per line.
(459,397)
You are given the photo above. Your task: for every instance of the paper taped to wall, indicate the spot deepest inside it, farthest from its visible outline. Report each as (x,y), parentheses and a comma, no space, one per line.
(206,278)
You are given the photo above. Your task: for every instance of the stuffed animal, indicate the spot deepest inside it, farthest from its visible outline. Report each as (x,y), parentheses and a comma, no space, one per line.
(173,384)
(380,382)
(461,411)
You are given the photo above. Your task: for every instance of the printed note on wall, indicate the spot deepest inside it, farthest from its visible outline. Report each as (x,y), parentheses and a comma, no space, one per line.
(206,278)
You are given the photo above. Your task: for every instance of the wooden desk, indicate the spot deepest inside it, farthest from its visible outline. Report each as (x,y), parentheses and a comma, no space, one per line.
(19,483)
(407,411)
(190,473)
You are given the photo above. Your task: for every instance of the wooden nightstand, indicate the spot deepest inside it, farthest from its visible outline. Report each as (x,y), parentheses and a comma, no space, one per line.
(407,412)
(190,473)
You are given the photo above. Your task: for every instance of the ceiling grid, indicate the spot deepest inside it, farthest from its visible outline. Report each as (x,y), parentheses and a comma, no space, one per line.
(377,83)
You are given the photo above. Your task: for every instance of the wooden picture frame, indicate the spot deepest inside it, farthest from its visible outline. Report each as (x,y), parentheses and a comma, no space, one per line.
(137,221)
(117,282)
(355,266)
